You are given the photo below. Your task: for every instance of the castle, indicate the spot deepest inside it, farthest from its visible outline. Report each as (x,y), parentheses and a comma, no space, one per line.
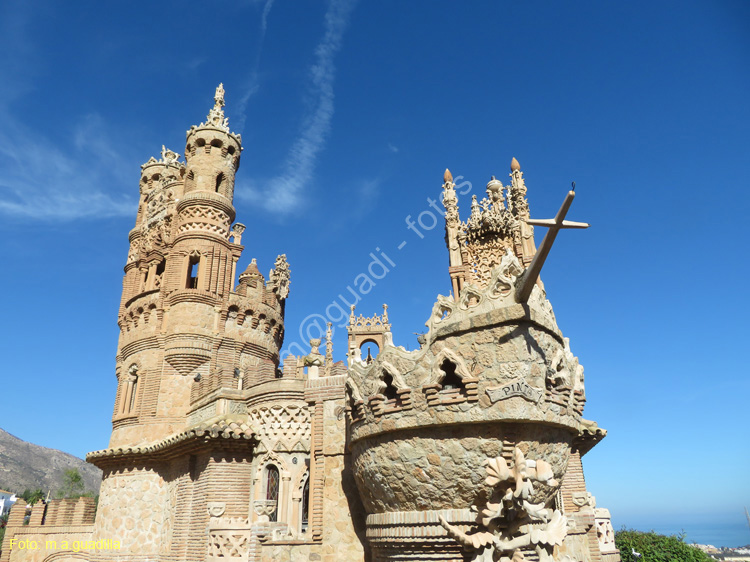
(468,448)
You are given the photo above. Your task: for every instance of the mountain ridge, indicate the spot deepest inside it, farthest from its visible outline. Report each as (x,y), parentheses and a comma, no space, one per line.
(27,465)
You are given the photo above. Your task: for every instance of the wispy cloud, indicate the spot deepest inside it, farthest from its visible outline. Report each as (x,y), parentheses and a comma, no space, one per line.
(393,148)
(284,192)
(41,181)
(38,179)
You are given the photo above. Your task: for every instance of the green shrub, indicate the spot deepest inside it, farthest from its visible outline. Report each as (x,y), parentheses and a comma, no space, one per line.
(657,548)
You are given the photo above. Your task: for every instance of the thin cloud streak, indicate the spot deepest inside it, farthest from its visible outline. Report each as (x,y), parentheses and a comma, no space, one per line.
(284,192)
(254,82)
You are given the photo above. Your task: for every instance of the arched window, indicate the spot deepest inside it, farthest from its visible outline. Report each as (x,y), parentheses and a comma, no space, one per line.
(305,504)
(272,491)
(369,350)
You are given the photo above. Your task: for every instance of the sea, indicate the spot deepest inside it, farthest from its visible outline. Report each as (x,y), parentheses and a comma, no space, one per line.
(731,533)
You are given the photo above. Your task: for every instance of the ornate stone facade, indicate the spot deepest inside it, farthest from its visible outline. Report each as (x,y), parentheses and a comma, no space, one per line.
(466,449)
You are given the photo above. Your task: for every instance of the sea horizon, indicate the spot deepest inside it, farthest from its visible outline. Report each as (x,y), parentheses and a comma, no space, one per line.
(730,534)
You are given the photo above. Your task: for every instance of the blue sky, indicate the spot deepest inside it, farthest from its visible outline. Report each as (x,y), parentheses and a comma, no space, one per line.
(349,114)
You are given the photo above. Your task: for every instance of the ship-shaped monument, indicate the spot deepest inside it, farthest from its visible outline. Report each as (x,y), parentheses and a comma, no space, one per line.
(468,448)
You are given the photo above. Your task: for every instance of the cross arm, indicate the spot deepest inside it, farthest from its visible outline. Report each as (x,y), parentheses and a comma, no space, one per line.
(530,276)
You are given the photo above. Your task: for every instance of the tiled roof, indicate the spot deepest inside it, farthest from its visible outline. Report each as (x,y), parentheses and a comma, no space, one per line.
(221,429)
(589,435)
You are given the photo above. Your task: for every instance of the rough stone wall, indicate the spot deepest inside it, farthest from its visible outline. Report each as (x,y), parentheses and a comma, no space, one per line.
(133,509)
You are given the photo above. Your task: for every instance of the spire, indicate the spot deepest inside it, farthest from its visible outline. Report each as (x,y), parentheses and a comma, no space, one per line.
(216,115)
(517,192)
(219,97)
(447,176)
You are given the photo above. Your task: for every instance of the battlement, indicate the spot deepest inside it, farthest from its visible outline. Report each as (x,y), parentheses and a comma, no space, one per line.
(48,527)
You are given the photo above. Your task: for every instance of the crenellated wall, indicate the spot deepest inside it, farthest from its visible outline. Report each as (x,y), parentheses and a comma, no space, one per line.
(57,528)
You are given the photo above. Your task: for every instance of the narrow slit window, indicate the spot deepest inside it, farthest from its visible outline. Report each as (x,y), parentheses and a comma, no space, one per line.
(133,390)
(192,272)
(305,504)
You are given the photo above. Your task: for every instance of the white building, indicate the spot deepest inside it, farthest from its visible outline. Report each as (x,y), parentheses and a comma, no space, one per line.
(7,499)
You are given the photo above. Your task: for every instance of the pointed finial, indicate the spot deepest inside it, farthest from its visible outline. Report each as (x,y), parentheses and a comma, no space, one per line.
(514,165)
(219,96)
(447,176)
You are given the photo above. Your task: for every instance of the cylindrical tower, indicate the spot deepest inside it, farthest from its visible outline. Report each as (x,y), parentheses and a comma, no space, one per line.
(186,331)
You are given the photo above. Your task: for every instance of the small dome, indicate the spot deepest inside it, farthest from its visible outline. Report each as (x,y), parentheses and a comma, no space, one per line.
(514,165)
(494,185)
(447,176)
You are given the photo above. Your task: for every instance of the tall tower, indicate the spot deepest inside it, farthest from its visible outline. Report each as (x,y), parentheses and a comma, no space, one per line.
(194,350)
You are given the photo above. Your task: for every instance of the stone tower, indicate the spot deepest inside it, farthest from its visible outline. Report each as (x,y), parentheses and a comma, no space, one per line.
(207,434)
(470,447)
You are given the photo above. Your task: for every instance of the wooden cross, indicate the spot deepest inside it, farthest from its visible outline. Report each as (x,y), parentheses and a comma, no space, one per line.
(532,273)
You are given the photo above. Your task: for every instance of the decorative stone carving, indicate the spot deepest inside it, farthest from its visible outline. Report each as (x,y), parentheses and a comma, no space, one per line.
(263,509)
(279,277)
(216,116)
(229,538)
(518,387)
(216,509)
(581,499)
(363,329)
(237,229)
(503,277)
(515,517)
(169,157)
(314,360)
(289,423)
(604,531)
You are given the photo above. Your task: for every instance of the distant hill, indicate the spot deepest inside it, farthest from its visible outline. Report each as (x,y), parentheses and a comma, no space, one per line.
(25,465)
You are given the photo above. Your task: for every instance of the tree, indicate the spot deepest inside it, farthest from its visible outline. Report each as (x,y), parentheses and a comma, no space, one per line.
(657,548)
(73,486)
(32,496)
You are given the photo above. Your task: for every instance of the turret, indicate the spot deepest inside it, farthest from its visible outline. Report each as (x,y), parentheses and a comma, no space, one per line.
(161,186)
(205,256)
(213,153)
